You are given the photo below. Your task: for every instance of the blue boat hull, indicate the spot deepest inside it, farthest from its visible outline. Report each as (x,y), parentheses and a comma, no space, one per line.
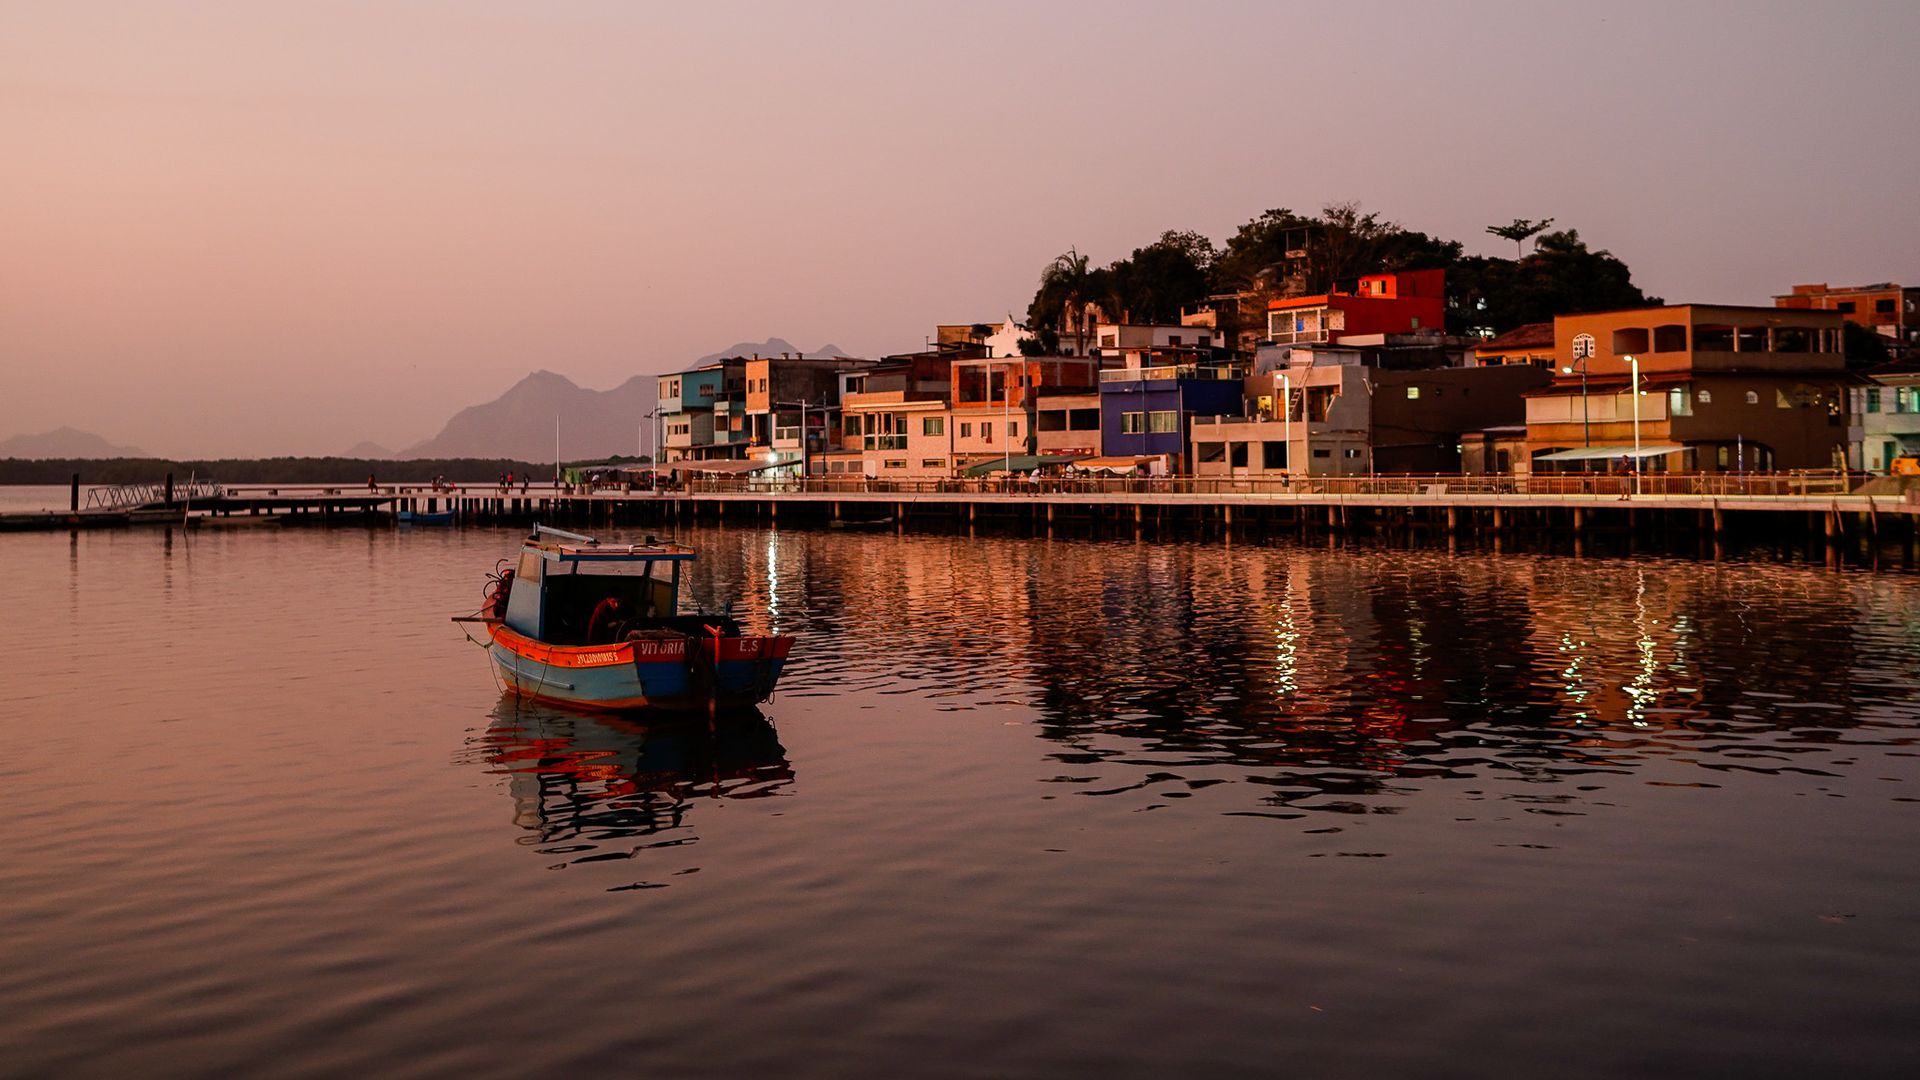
(613,677)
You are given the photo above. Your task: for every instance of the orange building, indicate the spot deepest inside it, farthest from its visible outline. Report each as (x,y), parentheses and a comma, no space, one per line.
(1720,388)
(1887,309)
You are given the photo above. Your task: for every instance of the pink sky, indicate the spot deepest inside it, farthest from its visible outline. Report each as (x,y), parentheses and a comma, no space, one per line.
(252,228)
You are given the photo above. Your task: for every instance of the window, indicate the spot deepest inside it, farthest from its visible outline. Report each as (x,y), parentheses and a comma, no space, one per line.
(1350,453)
(896,463)
(1725,456)
(1705,397)
(1679,402)
(1753,397)
(1873,401)
(986,430)
(1792,339)
(1670,338)
(1273,455)
(1133,423)
(1174,340)
(1162,421)
(1583,346)
(1713,338)
(1211,453)
(1323,453)
(966,430)
(933,463)
(1844,307)
(1237,455)
(1632,339)
(1413,393)
(1883,307)
(1013,429)
(933,425)
(1781,400)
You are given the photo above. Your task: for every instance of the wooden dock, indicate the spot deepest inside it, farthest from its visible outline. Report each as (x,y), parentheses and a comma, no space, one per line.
(1814,508)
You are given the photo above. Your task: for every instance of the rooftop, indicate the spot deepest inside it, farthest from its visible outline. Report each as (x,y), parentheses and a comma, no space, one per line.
(1530,336)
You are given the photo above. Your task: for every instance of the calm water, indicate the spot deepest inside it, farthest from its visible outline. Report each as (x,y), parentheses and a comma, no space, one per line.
(1023,808)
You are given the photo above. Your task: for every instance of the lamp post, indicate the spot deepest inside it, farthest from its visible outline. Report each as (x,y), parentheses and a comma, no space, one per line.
(1006,420)
(1634,391)
(1286,416)
(653,447)
(1586,424)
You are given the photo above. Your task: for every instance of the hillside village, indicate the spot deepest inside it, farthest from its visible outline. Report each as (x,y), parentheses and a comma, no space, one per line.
(1368,374)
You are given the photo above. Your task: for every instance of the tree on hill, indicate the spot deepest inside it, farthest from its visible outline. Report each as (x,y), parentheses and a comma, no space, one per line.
(1562,277)
(1863,347)
(1157,282)
(1520,230)
(1282,253)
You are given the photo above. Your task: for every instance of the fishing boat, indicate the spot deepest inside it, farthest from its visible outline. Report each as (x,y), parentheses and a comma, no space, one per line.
(599,625)
(422,517)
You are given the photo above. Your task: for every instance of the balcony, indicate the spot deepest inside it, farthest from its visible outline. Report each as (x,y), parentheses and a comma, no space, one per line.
(1170,371)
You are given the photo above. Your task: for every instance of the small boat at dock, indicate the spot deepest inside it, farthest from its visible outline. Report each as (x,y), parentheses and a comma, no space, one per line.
(422,517)
(598,625)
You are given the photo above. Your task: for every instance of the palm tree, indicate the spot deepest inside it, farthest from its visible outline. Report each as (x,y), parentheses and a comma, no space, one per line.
(1065,288)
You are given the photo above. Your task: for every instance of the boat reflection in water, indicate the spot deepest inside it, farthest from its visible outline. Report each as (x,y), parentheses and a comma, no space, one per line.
(583,785)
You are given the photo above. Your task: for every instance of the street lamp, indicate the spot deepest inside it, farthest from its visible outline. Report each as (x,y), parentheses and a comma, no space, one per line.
(652,453)
(1286,417)
(1634,392)
(1586,424)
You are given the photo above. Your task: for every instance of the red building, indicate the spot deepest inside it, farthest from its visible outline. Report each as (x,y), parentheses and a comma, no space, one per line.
(1397,303)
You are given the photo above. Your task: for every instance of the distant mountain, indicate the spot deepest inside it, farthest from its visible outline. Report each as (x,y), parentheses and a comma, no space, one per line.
(593,423)
(519,423)
(368,450)
(773,346)
(66,443)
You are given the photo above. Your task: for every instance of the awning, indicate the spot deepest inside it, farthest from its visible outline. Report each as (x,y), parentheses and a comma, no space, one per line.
(1117,464)
(730,467)
(1595,453)
(1018,463)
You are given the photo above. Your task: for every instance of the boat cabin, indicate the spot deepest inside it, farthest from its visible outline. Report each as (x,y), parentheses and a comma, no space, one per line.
(563,581)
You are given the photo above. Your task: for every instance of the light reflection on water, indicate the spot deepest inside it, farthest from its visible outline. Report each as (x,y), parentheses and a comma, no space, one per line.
(1022,807)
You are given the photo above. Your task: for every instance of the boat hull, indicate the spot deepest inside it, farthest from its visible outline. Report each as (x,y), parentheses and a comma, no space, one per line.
(677,673)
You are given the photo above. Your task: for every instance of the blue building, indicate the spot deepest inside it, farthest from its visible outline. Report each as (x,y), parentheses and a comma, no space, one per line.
(698,414)
(1149,410)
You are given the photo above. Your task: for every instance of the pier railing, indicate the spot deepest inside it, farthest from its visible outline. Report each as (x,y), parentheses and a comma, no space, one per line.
(1714,485)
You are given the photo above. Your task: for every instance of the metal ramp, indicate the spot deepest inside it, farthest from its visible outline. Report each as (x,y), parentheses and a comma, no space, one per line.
(126,497)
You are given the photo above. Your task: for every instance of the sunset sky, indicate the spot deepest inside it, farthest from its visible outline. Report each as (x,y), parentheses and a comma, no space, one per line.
(253,228)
